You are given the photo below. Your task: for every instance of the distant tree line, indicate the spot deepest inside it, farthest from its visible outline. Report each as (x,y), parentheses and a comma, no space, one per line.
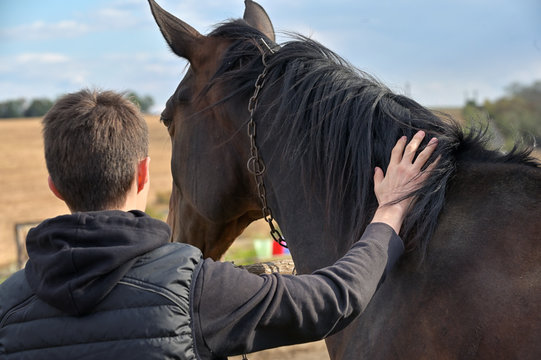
(515,116)
(19,108)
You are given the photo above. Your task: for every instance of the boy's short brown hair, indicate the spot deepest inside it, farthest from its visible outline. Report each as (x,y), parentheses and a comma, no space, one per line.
(93,141)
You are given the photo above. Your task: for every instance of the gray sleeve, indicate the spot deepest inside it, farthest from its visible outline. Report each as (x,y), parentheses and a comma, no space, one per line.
(235,312)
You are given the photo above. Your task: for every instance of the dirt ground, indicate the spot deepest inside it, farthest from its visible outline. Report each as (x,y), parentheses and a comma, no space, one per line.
(310,351)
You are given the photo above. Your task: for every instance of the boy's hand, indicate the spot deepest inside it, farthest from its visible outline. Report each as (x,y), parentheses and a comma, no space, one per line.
(403,176)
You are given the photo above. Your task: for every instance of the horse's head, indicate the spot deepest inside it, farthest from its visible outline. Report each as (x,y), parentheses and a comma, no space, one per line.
(209,205)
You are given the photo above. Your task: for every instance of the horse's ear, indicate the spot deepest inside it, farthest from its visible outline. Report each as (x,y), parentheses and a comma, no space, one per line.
(257,17)
(181,37)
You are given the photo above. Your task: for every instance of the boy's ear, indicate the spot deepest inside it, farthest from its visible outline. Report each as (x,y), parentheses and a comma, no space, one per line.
(143,173)
(54,189)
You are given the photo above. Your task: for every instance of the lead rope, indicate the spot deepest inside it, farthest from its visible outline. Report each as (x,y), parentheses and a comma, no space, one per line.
(255,164)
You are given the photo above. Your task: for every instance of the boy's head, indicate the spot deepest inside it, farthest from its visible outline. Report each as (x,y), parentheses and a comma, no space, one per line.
(93,142)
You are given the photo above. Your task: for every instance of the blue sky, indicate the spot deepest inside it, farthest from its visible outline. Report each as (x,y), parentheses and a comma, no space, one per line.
(438,52)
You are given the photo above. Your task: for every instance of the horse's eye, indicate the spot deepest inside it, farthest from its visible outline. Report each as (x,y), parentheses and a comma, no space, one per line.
(165,120)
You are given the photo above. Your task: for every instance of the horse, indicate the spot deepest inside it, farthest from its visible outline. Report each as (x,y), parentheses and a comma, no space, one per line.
(292,132)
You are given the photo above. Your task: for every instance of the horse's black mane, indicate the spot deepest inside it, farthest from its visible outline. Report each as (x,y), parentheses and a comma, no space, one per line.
(338,123)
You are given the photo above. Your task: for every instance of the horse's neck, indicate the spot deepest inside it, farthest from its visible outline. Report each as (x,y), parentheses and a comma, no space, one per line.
(313,239)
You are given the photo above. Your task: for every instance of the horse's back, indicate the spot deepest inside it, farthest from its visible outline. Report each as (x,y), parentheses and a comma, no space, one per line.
(478,293)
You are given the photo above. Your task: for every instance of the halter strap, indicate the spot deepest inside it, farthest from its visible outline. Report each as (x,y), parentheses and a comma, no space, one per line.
(267,47)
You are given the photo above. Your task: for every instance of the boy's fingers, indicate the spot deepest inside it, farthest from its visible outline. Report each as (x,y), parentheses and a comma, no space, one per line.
(378,175)
(413,145)
(398,150)
(431,167)
(427,172)
(425,154)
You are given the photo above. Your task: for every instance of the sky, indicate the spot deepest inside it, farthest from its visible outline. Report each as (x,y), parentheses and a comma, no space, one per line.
(439,52)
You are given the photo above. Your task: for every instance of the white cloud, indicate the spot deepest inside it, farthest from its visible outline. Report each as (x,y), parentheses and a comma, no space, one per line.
(41,74)
(118,15)
(42,58)
(110,18)
(40,30)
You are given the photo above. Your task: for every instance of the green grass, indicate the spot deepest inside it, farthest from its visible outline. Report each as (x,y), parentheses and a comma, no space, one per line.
(241,256)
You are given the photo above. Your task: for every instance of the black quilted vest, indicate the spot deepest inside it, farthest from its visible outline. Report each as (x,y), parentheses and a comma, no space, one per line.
(146,316)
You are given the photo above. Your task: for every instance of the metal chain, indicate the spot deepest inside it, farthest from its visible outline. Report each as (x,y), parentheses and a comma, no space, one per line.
(255,164)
